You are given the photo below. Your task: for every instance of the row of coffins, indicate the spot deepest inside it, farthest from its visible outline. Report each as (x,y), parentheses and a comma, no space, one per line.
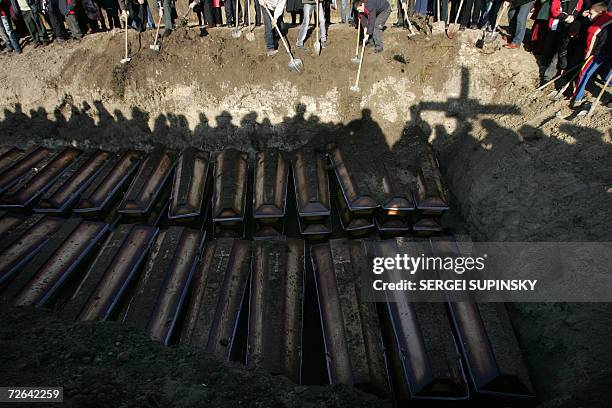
(132,187)
(176,286)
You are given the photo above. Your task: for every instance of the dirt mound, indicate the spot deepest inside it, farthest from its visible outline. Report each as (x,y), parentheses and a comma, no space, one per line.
(111,365)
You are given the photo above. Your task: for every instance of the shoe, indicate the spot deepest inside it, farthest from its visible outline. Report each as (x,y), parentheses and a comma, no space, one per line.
(398,24)
(272,53)
(167,33)
(378,50)
(301,47)
(323,44)
(512,46)
(35,45)
(209,26)
(462,28)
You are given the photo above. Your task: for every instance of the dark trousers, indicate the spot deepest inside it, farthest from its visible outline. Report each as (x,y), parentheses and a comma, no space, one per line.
(112,15)
(73,26)
(270,33)
(35,27)
(492,18)
(56,20)
(206,8)
(400,13)
(381,19)
(470,13)
(230,11)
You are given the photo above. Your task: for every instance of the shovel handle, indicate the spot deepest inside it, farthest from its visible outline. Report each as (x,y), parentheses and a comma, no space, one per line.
(237,7)
(317,22)
(358,34)
(360,62)
(603,90)
(126,37)
(157,31)
(458,11)
(501,13)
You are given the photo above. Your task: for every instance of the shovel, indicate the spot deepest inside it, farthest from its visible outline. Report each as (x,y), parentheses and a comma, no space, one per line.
(407,20)
(355,88)
(355,59)
(249,35)
(589,113)
(439,27)
(453,28)
(489,38)
(236,31)
(317,45)
(554,79)
(126,59)
(295,64)
(183,22)
(155,46)
(555,95)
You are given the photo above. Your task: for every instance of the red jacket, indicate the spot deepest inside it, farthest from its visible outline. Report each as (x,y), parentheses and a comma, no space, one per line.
(598,33)
(557,12)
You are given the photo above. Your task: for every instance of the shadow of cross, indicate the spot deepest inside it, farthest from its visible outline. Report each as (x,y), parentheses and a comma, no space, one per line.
(464,106)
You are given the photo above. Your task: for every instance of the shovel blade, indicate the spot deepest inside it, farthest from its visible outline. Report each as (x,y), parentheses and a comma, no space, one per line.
(154,47)
(438,28)
(125,60)
(296,65)
(250,36)
(490,37)
(452,30)
(355,88)
(317,48)
(355,60)
(236,33)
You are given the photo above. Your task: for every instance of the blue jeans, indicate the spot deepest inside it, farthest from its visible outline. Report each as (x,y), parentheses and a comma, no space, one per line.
(230,11)
(343,10)
(8,34)
(518,22)
(270,34)
(308,10)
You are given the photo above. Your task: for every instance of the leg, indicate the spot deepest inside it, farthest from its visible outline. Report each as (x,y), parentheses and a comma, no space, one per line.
(444,10)
(464,13)
(257,13)
(381,19)
(167,5)
(74,27)
(209,13)
(521,23)
(587,71)
(322,29)
(476,13)
(562,51)
(494,11)
(400,13)
(268,35)
(56,20)
(343,16)
(305,23)
(10,32)
(115,15)
(229,12)
(512,17)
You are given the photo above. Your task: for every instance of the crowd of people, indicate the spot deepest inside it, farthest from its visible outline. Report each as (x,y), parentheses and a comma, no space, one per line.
(566,34)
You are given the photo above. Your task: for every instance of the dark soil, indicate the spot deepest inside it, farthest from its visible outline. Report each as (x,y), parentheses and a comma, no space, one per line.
(111,365)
